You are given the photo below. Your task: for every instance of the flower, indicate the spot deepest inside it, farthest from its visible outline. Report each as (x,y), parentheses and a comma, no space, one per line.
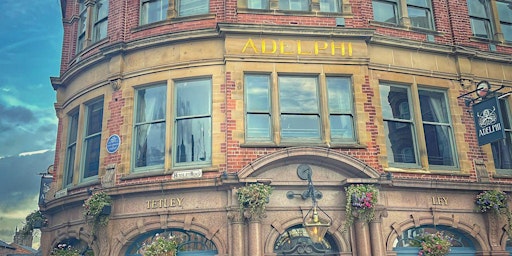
(93,207)
(362,198)
(161,246)
(433,244)
(492,200)
(64,250)
(33,220)
(254,197)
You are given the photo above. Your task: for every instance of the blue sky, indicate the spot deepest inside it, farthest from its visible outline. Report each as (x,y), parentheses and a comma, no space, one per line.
(30,50)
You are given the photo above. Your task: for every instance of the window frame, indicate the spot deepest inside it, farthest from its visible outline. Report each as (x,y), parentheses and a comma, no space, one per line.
(144,16)
(507,121)
(136,124)
(86,138)
(208,147)
(402,17)
(180,4)
(488,18)
(506,37)
(99,21)
(69,163)
(88,35)
(275,111)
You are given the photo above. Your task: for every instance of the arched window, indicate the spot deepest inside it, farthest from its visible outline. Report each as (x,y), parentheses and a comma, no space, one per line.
(192,243)
(295,241)
(461,244)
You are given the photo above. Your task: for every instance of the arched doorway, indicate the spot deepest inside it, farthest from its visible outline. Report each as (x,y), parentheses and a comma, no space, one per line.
(461,244)
(192,243)
(295,241)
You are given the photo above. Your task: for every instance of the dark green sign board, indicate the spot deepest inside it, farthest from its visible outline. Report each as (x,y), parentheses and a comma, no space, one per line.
(488,121)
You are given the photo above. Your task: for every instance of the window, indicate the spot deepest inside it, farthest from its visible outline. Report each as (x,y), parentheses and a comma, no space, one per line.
(300,107)
(92,140)
(479,14)
(257,4)
(403,146)
(505,15)
(71,149)
(153,11)
(193,7)
(502,149)
(330,6)
(385,11)
(100,20)
(294,5)
(98,23)
(149,128)
(193,120)
(419,12)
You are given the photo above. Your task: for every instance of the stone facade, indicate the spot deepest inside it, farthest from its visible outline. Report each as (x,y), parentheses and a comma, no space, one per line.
(223,47)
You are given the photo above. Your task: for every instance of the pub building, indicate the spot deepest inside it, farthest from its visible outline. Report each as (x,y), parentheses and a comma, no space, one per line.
(171,108)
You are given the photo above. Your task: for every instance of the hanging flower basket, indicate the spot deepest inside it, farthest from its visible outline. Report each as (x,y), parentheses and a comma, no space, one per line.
(97,208)
(495,202)
(64,250)
(254,198)
(361,201)
(161,246)
(34,220)
(436,244)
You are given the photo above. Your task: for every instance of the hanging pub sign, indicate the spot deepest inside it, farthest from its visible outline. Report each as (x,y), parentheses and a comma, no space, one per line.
(488,121)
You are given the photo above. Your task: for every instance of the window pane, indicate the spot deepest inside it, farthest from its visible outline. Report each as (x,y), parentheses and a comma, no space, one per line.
(507,32)
(433,107)
(257,4)
(422,3)
(419,17)
(502,152)
(294,5)
(298,94)
(150,144)
(257,91)
(153,11)
(481,28)
(400,142)
(70,165)
(193,140)
(385,12)
(100,30)
(151,104)
(329,6)
(193,98)
(395,102)
(193,7)
(92,156)
(101,9)
(478,8)
(342,127)
(505,11)
(94,118)
(258,126)
(73,128)
(149,148)
(439,145)
(300,126)
(339,93)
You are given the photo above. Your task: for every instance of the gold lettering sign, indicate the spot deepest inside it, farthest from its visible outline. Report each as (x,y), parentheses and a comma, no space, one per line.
(164,203)
(439,200)
(297,47)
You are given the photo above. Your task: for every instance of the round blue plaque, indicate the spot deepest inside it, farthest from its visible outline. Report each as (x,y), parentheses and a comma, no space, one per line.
(113,143)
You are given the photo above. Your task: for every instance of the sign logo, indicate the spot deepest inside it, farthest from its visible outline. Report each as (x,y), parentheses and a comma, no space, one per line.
(488,121)
(113,143)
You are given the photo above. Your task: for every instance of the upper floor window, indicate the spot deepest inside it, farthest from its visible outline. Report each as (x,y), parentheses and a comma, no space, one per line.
(92,139)
(330,6)
(149,127)
(403,145)
(193,138)
(192,7)
(418,13)
(502,149)
(97,23)
(491,23)
(294,5)
(300,104)
(69,166)
(153,11)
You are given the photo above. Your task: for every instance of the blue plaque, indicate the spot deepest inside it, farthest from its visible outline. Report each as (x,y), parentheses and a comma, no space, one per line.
(113,143)
(488,121)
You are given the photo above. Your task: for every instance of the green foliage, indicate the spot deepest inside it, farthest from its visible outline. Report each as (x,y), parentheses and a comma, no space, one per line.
(496,202)
(31,220)
(361,198)
(437,244)
(254,197)
(161,246)
(93,207)
(64,250)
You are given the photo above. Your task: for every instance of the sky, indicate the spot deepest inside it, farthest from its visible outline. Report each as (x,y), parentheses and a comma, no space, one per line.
(30,51)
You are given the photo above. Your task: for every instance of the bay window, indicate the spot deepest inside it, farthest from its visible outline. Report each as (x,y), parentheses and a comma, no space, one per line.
(97,23)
